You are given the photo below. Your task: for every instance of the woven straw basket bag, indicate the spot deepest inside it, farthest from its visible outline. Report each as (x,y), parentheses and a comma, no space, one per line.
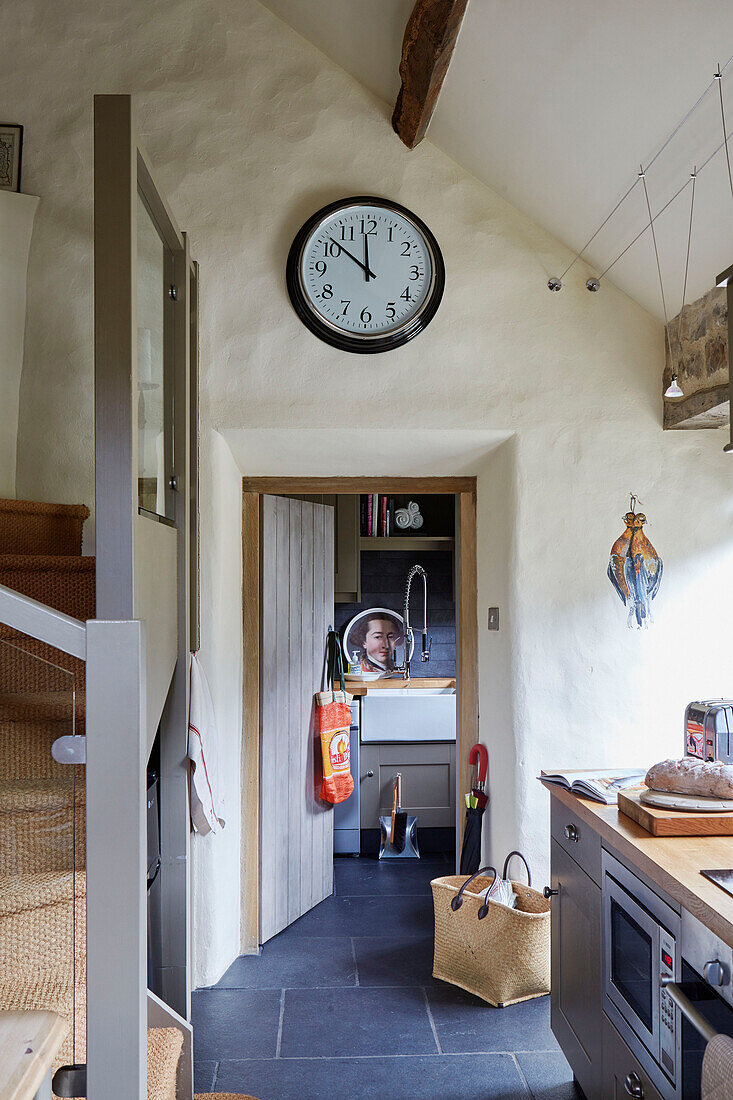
(499,954)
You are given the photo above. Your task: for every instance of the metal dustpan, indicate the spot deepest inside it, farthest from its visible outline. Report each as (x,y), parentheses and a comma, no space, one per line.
(388,851)
(398,830)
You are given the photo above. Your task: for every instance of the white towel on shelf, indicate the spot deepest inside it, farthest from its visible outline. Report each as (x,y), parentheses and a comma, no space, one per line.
(207,803)
(717,1069)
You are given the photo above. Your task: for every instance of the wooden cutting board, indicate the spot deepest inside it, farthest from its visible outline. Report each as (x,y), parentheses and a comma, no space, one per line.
(660,822)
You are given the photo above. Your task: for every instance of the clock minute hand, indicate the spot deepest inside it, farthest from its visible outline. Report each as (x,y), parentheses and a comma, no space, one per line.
(346,251)
(366,257)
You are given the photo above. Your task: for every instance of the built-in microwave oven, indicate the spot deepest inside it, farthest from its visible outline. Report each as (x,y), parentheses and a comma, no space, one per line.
(641,934)
(667,982)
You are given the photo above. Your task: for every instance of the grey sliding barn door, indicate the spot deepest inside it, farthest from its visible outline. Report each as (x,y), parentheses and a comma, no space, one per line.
(296,828)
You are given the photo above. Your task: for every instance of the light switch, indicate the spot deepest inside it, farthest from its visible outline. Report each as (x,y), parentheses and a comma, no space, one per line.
(493,618)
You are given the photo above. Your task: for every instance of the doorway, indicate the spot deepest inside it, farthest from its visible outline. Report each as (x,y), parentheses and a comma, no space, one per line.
(462,492)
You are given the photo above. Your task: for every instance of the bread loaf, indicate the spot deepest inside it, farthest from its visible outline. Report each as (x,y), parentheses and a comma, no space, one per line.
(690,776)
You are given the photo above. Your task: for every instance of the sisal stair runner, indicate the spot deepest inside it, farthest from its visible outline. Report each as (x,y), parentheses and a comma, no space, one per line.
(42,804)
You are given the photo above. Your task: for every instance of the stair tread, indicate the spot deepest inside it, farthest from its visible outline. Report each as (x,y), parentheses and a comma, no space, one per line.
(38,794)
(28,890)
(44,508)
(54,706)
(47,563)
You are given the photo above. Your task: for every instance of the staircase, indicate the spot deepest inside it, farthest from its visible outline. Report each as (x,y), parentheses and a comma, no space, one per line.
(42,803)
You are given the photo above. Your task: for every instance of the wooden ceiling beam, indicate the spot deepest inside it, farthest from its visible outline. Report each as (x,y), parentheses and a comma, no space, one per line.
(427,48)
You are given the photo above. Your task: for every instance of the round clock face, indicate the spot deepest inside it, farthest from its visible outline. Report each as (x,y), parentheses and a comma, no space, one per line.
(365,275)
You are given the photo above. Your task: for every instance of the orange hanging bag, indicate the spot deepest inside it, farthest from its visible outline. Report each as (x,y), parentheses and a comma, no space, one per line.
(333,720)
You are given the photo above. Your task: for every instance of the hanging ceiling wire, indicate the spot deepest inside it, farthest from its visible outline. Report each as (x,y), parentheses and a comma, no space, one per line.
(719,80)
(555,282)
(673,390)
(642,177)
(667,204)
(728,449)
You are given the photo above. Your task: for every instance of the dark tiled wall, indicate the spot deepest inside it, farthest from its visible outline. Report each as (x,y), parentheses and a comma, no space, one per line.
(383,575)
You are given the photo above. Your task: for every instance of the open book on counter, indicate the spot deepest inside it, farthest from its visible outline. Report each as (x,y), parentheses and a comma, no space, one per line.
(600,784)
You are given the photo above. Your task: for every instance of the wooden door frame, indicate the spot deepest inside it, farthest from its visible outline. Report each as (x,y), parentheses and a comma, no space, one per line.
(467,733)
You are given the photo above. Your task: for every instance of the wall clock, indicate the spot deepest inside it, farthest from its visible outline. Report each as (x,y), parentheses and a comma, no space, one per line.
(365,274)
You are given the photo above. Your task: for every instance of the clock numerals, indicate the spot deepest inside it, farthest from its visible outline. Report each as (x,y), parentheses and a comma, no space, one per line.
(347,280)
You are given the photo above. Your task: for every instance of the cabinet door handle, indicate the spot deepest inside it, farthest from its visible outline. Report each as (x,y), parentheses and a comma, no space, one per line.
(571,833)
(370,775)
(633,1086)
(549,892)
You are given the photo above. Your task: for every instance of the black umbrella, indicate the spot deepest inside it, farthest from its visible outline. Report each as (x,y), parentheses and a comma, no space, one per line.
(471,850)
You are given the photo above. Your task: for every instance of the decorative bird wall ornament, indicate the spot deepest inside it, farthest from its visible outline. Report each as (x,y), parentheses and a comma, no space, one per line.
(635,568)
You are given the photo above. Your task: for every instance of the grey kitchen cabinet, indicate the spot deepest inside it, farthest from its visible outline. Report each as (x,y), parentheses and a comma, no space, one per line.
(581,843)
(428,782)
(347,578)
(576,1012)
(623,1076)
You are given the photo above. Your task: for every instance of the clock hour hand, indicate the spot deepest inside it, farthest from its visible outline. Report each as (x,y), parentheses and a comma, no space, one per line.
(351,257)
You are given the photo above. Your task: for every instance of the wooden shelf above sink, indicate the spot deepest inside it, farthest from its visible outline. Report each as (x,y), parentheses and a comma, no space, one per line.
(360,687)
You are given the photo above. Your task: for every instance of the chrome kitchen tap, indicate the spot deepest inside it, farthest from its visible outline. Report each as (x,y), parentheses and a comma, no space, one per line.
(417,570)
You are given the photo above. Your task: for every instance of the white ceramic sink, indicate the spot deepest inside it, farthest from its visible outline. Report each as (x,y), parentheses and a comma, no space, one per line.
(409,714)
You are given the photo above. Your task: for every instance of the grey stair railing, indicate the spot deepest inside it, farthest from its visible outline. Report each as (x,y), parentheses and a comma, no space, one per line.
(116,755)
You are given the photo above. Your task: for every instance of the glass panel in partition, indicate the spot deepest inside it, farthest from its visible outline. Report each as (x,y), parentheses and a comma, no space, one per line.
(42,839)
(154,435)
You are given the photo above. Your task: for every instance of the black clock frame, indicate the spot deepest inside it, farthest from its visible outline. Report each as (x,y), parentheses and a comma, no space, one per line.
(342,340)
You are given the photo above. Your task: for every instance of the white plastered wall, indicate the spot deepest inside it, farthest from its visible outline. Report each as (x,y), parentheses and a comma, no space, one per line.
(251,130)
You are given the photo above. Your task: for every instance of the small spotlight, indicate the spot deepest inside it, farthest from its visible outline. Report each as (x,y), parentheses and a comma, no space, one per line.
(673,390)
(593,284)
(554,283)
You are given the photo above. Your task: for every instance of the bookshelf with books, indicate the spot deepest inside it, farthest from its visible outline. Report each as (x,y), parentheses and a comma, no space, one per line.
(391,522)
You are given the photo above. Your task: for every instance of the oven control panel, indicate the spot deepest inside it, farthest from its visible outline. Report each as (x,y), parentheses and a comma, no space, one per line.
(666,1004)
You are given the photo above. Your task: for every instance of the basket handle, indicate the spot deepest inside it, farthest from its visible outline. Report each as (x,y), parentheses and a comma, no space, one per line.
(524,861)
(457,901)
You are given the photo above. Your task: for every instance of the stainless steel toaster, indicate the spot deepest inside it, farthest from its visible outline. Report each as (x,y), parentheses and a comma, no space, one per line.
(709,730)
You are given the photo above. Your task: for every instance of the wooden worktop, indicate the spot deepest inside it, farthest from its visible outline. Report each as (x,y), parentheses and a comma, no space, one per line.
(673,863)
(361,687)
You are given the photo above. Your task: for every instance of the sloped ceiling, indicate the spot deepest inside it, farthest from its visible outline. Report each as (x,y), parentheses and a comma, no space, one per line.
(555,104)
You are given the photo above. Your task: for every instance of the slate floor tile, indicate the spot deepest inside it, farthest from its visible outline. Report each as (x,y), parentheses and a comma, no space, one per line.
(204,1075)
(466,1023)
(472,1077)
(337,1023)
(373,877)
(286,961)
(394,960)
(235,1023)
(548,1075)
(366,916)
